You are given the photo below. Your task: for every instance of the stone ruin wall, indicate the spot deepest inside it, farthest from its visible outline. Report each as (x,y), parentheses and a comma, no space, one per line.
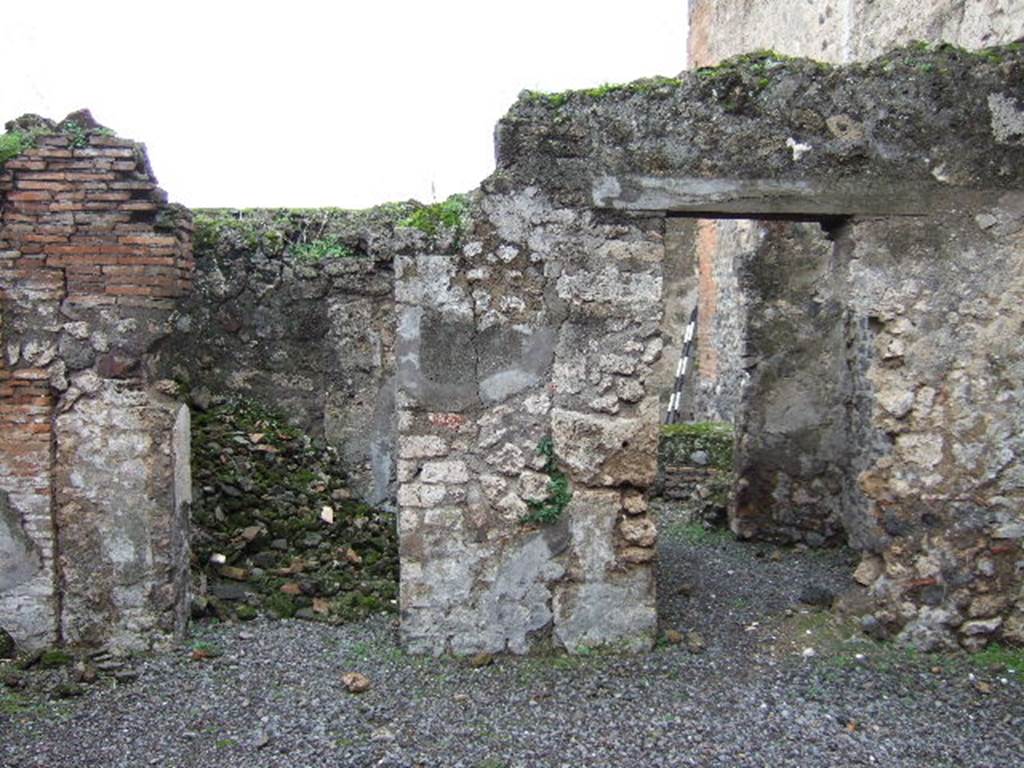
(311,337)
(917,223)
(845,31)
(795,444)
(942,538)
(94,453)
(542,324)
(791,485)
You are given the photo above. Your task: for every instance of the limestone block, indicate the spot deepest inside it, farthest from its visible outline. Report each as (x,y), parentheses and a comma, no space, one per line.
(533,486)
(512,507)
(1013,628)
(493,487)
(493,426)
(420,494)
(444,472)
(981,626)
(406,470)
(629,390)
(608,450)
(616,613)
(1012,530)
(896,400)
(427,281)
(609,291)
(592,514)
(924,450)
(537,404)
(444,517)
(508,460)
(929,630)
(637,555)
(870,569)
(409,520)
(421,446)
(607,404)
(570,375)
(122,500)
(987,606)
(639,531)
(621,364)
(634,503)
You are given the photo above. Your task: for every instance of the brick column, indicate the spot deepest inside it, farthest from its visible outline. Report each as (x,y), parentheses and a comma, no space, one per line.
(91,260)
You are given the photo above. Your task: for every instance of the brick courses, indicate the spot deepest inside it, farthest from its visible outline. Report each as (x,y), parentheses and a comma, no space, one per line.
(83,227)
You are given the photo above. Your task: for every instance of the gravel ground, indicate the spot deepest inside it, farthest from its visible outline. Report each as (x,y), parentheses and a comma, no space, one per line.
(750,698)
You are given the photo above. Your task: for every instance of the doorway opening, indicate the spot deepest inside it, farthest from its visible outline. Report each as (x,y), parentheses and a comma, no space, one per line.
(758,458)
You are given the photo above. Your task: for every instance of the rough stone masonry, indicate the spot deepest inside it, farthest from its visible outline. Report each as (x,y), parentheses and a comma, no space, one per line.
(541,323)
(272,318)
(538,328)
(791,460)
(94,454)
(526,342)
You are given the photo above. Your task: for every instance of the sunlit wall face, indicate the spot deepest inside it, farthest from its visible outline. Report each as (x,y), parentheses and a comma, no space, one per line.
(312,103)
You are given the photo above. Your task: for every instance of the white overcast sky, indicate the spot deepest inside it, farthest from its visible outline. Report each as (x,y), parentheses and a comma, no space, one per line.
(307,103)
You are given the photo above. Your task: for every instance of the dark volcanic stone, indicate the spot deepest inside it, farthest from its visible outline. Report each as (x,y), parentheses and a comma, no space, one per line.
(812,594)
(7,648)
(229,590)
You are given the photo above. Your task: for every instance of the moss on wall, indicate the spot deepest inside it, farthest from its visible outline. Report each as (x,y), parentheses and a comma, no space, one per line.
(306,234)
(448,214)
(317,234)
(645,86)
(715,438)
(22,134)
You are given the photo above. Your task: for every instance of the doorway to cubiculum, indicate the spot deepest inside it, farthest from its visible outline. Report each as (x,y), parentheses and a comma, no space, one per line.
(764,419)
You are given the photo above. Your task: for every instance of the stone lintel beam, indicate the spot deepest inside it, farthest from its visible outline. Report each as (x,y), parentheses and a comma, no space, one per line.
(770,198)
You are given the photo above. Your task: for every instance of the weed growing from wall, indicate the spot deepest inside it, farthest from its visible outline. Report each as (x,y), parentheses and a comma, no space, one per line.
(77,135)
(306,234)
(319,250)
(559,491)
(11,145)
(449,214)
(14,142)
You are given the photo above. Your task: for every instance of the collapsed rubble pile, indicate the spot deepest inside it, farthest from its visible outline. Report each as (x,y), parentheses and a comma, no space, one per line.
(59,673)
(275,529)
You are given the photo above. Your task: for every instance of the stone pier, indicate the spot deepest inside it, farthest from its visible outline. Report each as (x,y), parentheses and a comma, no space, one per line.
(94,453)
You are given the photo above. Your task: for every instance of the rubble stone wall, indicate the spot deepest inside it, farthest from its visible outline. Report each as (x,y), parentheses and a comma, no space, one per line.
(695,470)
(942,300)
(527,341)
(93,452)
(566,242)
(523,353)
(843,31)
(796,448)
(295,309)
(809,490)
